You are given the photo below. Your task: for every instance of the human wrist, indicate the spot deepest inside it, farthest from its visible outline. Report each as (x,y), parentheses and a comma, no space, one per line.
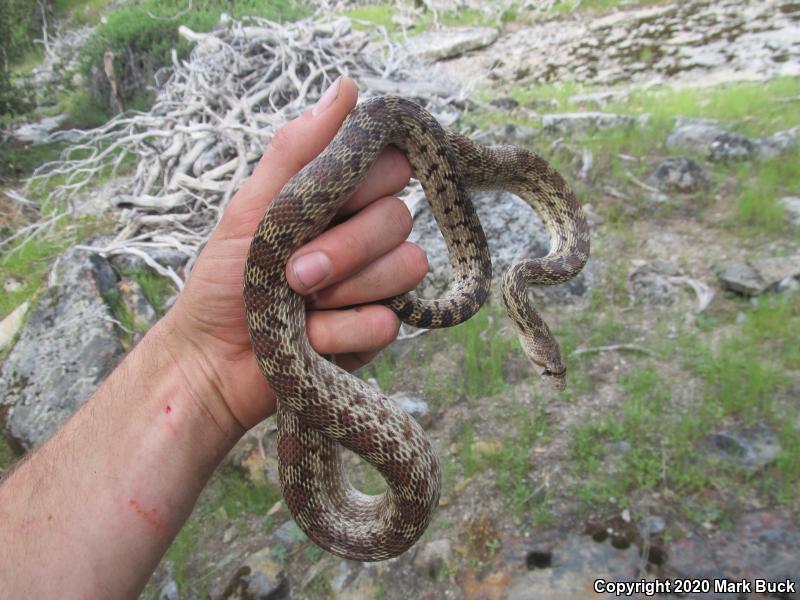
(201,387)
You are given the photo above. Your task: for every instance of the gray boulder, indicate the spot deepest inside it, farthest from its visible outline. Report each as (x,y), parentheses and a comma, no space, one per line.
(439,45)
(514,232)
(571,567)
(709,139)
(65,350)
(779,143)
(754,277)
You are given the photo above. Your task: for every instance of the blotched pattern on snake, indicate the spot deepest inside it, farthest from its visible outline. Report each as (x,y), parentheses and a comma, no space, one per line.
(320,406)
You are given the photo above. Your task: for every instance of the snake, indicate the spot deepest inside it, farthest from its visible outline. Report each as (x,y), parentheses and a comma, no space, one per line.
(320,406)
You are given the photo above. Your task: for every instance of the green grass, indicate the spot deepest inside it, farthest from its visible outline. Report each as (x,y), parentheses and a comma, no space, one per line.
(156,289)
(80,12)
(484,349)
(381,15)
(760,184)
(7,454)
(229,498)
(31,262)
(743,380)
(485,353)
(509,461)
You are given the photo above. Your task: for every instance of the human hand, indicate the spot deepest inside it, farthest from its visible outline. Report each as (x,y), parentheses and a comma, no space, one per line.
(360,260)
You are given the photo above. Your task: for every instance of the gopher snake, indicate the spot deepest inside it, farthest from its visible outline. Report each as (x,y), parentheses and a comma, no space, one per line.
(320,405)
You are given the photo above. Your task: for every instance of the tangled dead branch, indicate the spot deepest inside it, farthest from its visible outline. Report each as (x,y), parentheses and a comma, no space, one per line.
(213,117)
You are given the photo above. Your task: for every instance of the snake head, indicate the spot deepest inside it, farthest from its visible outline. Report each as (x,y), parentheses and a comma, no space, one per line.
(546,356)
(557,378)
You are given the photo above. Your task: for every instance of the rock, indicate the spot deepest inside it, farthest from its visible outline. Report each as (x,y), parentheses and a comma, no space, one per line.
(505,103)
(260,466)
(706,137)
(439,45)
(142,312)
(513,230)
(363,587)
(517,135)
(584,122)
(779,143)
(730,146)
(12,284)
(431,558)
(67,347)
(37,133)
(752,450)
(652,525)
(680,174)
(652,282)
(169,587)
(10,325)
(791,205)
(169,591)
(757,276)
(671,43)
(288,534)
(574,565)
(258,578)
(129,264)
(600,98)
(414,406)
(760,545)
(230,534)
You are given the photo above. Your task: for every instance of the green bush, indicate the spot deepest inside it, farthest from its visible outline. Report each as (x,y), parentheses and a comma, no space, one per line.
(17,22)
(141,36)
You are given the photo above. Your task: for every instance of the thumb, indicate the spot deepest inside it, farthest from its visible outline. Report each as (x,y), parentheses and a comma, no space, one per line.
(293,146)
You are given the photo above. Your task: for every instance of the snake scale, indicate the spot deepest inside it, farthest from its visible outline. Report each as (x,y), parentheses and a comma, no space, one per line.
(321,406)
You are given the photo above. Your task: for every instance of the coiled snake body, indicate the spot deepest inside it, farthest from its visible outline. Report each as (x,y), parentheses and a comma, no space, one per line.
(320,405)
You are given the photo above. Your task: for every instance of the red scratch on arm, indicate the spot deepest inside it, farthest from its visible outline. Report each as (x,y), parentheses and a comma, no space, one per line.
(149,516)
(167,409)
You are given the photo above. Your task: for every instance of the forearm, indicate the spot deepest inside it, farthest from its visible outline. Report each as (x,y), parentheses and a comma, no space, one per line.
(92,511)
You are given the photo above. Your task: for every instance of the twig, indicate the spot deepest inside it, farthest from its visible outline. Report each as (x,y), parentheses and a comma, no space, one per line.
(614,347)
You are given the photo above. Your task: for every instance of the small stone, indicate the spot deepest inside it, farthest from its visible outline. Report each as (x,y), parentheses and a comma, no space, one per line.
(680,174)
(731,146)
(414,406)
(752,450)
(505,103)
(433,557)
(791,204)
(169,591)
(12,284)
(229,535)
(652,525)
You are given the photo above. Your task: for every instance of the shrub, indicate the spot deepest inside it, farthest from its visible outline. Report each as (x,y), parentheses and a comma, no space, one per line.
(143,34)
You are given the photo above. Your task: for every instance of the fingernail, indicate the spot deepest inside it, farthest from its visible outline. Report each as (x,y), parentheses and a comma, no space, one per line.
(328,97)
(311,268)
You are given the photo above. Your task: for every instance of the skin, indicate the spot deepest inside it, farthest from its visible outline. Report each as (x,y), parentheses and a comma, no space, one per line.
(91,512)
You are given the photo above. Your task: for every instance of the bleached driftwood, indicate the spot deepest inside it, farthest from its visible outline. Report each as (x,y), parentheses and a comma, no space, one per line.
(213,117)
